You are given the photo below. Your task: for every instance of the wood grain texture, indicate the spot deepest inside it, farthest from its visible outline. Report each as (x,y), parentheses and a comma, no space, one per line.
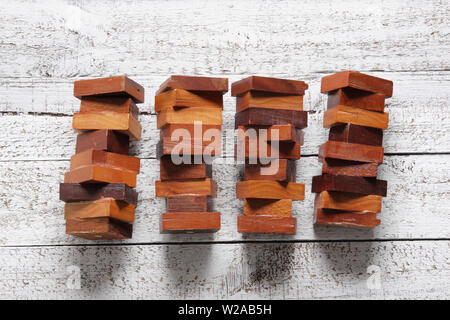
(267,224)
(349,168)
(105,140)
(345,114)
(190,222)
(200,132)
(346,218)
(283,170)
(266,84)
(281,133)
(207,116)
(206,187)
(362,185)
(107,159)
(348,201)
(351,151)
(99,229)
(352,133)
(356,98)
(184,98)
(102,208)
(265,150)
(194,83)
(261,99)
(74,192)
(187,203)
(170,171)
(268,117)
(261,189)
(109,104)
(98,174)
(270,207)
(194,147)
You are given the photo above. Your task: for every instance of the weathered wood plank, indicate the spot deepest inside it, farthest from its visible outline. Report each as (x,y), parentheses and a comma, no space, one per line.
(343,270)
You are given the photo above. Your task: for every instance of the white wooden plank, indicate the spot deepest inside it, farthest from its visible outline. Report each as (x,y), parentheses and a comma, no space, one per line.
(360,270)
(66,38)
(417,204)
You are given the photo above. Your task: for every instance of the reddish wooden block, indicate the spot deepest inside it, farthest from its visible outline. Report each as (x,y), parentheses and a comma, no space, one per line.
(261,189)
(356,98)
(277,170)
(285,150)
(183,98)
(345,114)
(352,133)
(252,116)
(167,147)
(107,159)
(207,187)
(99,229)
(358,81)
(204,132)
(362,185)
(267,224)
(111,86)
(101,208)
(192,83)
(75,192)
(105,140)
(266,84)
(351,151)
(260,99)
(281,133)
(349,168)
(346,218)
(190,222)
(348,201)
(270,207)
(109,104)
(171,171)
(100,174)
(187,203)
(207,116)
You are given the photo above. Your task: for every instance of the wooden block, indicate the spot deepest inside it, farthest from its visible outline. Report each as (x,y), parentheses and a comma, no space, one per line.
(171,171)
(166,147)
(349,168)
(105,140)
(282,133)
(207,187)
(184,98)
(285,150)
(361,185)
(277,170)
(190,222)
(101,208)
(352,133)
(267,224)
(189,115)
(280,208)
(351,151)
(258,116)
(346,218)
(187,204)
(122,122)
(109,104)
(260,99)
(75,192)
(260,189)
(111,86)
(344,114)
(274,85)
(356,98)
(103,158)
(192,83)
(195,131)
(358,81)
(100,174)
(99,229)
(348,201)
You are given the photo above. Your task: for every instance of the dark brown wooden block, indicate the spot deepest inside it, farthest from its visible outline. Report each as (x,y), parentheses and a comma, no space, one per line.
(111,86)
(281,133)
(285,150)
(331,217)
(257,116)
(109,104)
(280,169)
(166,147)
(190,222)
(356,98)
(170,171)
(105,140)
(192,83)
(362,185)
(350,168)
(75,192)
(266,84)
(352,133)
(187,203)
(351,151)
(99,229)
(267,224)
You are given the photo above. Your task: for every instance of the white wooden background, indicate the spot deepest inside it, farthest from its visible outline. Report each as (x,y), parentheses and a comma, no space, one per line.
(46,45)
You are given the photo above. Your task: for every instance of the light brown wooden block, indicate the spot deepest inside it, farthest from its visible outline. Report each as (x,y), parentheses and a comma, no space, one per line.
(190,222)
(349,168)
(267,224)
(208,116)
(93,174)
(356,98)
(255,207)
(276,170)
(274,85)
(102,158)
(187,203)
(102,208)
(184,98)
(111,86)
(204,132)
(207,187)
(109,104)
(260,99)
(346,218)
(351,151)
(188,147)
(122,122)
(170,171)
(344,114)
(194,83)
(348,201)
(99,229)
(270,190)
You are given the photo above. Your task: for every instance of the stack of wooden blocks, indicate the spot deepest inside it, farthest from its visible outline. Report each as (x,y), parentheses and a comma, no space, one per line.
(189,116)
(269,119)
(348,193)
(100,201)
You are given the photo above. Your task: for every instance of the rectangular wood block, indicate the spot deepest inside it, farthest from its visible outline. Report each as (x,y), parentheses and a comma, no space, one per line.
(356,98)
(258,116)
(123,122)
(348,201)
(100,174)
(284,150)
(75,192)
(358,81)
(105,140)
(351,151)
(103,158)
(111,86)
(101,208)
(166,147)
(345,114)
(184,98)
(204,132)
(271,207)
(208,116)
(207,187)
(346,218)
(171,171)
(352,133)
(267,224)
(270,190)
(187,203)
(362,185)
(99,229)
(190,222)
(282,133)
(349,168)
(192,83)
(260,99)
(276,170)
(109,104)
(274,85)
